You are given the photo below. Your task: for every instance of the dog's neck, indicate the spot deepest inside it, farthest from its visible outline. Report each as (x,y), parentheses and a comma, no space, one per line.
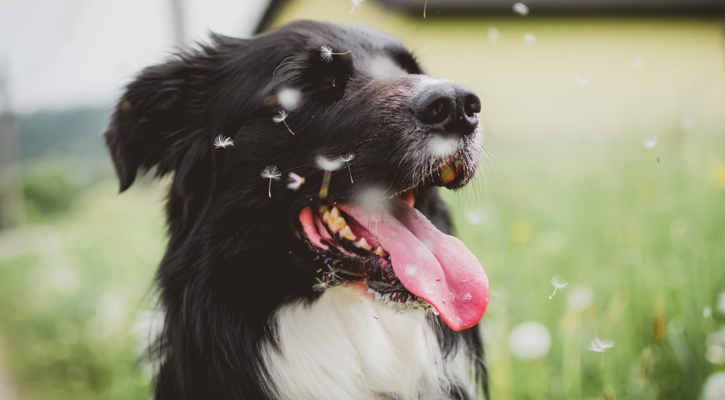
(347,346)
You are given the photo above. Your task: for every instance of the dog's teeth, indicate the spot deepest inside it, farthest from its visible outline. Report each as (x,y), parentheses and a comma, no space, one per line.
(338,224)
(379,251)
(363,244)
(448,174)
(323,209)
(326,216)
(347,232)
(335,213)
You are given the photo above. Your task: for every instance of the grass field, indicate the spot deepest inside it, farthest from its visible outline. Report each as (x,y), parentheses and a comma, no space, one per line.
(640,241)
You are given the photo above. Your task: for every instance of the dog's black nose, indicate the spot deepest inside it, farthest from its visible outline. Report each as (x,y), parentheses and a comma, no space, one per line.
(449,107)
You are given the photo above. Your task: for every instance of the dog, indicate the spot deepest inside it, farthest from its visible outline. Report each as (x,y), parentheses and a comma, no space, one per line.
(344,283)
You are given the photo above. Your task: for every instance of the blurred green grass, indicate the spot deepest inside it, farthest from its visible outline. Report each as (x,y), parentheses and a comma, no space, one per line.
(640,229)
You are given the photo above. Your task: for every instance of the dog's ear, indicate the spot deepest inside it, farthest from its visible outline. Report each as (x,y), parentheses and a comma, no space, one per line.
(157,121)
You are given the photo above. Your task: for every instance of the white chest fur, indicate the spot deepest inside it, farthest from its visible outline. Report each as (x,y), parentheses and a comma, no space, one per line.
(347,346)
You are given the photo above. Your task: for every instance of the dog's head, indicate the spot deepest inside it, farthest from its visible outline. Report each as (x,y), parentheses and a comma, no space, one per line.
(337,136)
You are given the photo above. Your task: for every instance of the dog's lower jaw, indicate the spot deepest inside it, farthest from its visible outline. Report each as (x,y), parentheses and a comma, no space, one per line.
(346,345)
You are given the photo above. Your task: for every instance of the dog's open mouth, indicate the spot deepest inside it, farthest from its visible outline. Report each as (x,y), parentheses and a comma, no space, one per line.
(399,254)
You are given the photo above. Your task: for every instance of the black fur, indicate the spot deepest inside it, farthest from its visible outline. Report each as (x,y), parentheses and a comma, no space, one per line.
(234,255)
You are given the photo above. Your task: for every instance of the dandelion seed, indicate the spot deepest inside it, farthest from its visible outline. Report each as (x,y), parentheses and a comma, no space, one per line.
(332,276)
(281,117)
(320,286)
(355,4)
(425,6)
(521,9)
(494,34)
(584,82)
(328,166)
(326,53)
(272,173)
(289,98)
(600,346)
(346,159)
(529,38)
(295,181)
(222,142)
(649,143)
(558,283)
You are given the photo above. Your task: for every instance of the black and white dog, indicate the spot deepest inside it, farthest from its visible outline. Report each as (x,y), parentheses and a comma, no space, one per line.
(344,283)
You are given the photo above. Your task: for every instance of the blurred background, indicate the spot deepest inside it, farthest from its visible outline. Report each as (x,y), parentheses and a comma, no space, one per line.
(605,125)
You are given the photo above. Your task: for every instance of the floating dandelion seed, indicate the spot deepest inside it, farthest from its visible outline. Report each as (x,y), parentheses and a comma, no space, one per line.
(346,159)
(272,173)
(649,143)
(584,82)
(295,181)
(355,4)
(328,166)
(425,6)
(600,346)
(320,286)
(326,53)
(521,9)
(529,38)
(281,117)
(494,34)
(222,142)
(558,283)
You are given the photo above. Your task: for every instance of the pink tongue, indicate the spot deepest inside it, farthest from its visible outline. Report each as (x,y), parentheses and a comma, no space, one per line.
(432,265)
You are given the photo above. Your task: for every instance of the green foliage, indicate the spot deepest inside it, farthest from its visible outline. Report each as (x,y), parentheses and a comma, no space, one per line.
(49,190)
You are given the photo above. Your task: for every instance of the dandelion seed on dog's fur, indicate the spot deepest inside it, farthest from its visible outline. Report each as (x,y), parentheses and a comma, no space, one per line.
(272,173)
(328,166)
(346,159)
(295,181)
(326,53)
(222,142)
(281,117)
(320,286)
(289,99)
(558,283)
(520,9)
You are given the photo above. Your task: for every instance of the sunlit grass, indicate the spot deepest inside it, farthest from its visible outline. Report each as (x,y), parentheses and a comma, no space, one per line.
(643,238)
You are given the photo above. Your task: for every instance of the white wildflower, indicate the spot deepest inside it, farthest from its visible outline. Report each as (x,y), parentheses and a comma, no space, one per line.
(326,53)
(281,117)
(521,9)
(649,143)
(295,181)
(558,283)
(272,173)
(346,159)
(222,142)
